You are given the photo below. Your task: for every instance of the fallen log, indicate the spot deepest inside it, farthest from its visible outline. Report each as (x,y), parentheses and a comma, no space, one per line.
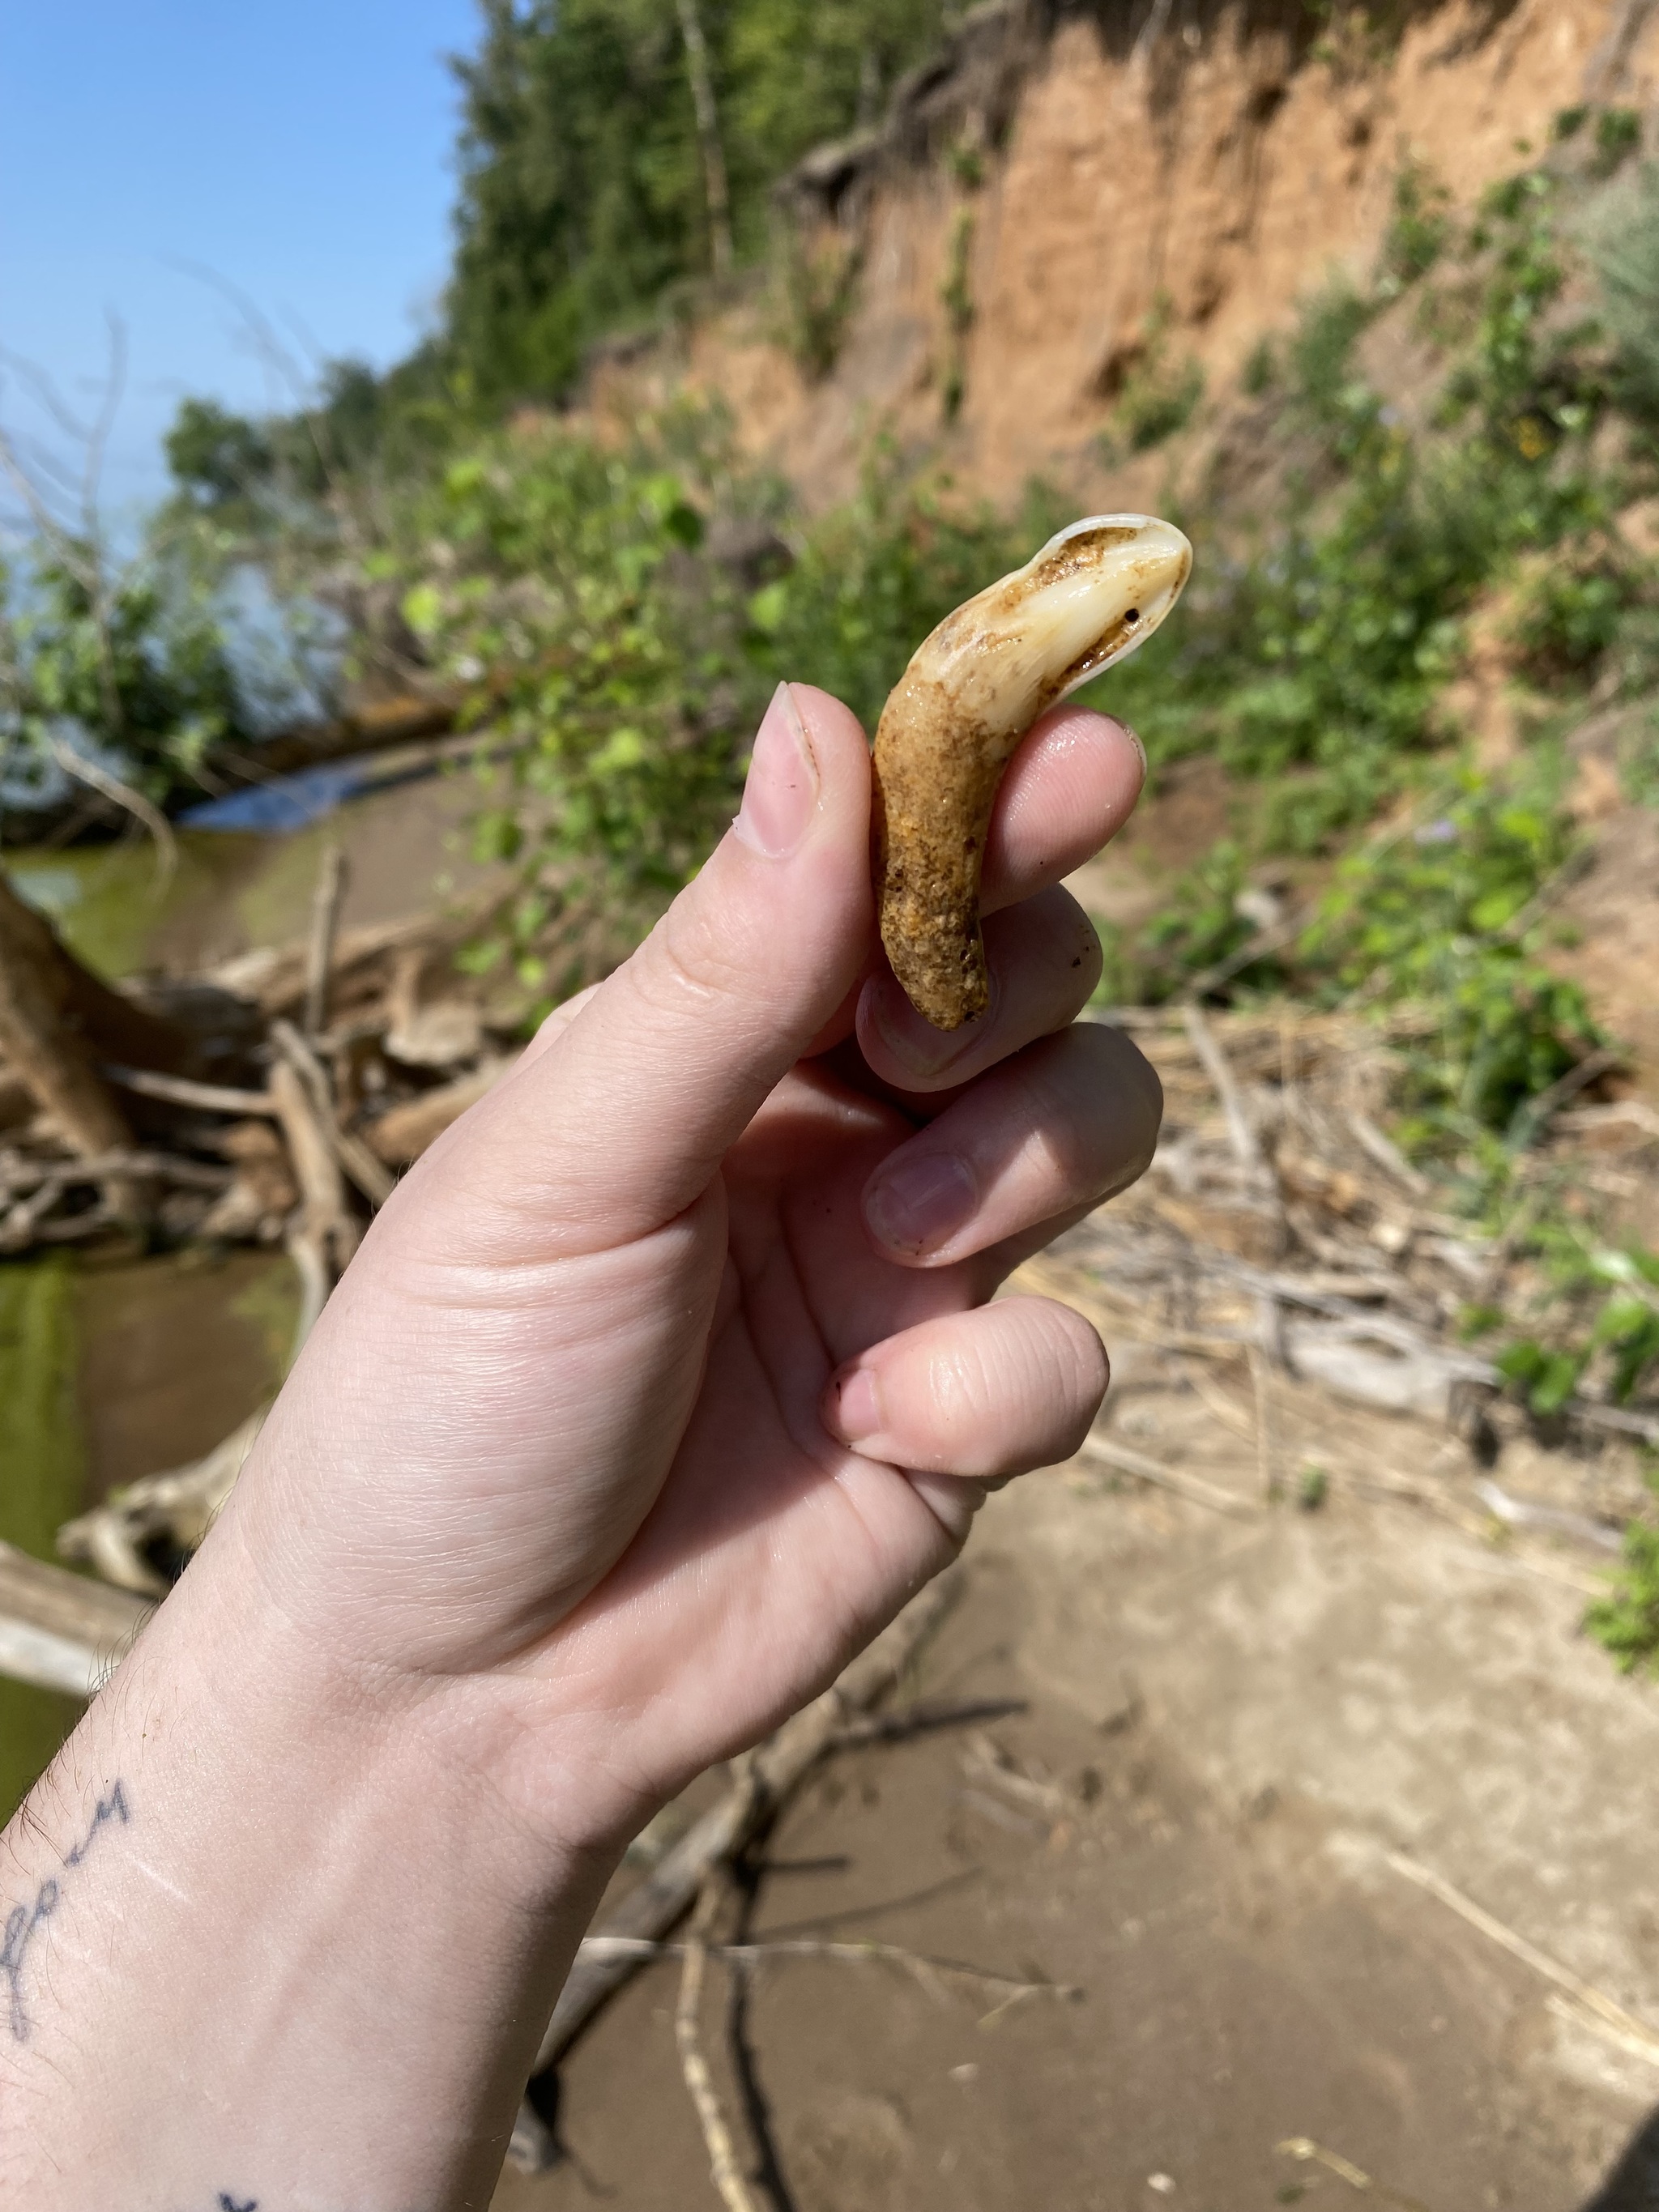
(62,1632)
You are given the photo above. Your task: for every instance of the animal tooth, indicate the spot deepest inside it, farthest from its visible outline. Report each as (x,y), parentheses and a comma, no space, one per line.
(955,718)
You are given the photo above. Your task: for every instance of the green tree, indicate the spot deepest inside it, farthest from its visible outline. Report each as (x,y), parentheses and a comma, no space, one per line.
(583,192)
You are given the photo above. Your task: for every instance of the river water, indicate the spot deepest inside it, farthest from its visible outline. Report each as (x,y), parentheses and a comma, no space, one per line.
(113,1366)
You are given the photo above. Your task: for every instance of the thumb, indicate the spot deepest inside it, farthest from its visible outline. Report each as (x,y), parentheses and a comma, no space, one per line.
(624,1119)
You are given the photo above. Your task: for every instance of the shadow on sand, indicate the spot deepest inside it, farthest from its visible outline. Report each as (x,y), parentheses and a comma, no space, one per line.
(1634,2184)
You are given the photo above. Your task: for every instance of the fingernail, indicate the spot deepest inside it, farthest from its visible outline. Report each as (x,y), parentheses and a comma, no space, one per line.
(851,1410)
(916,1044)
(917,1205)
(1134,736)
(782,790)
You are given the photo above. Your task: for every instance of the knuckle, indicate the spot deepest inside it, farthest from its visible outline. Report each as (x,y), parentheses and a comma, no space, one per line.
(686,960)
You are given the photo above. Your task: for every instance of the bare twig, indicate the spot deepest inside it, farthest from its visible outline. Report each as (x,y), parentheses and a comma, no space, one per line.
(1191,1487)
(933,1974)
(724,2168)
(1537,1111)
(109,785)
(715,192)
(332,879)
(1634,2033)
(326,1219)
(1264,1423)
(1304,2147)
(1241,1131)
(180,1090)
(370,1173)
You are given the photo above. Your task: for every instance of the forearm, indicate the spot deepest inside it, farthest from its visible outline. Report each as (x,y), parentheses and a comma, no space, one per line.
(270,1939)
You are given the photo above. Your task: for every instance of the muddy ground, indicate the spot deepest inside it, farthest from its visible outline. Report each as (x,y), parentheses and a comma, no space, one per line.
(1219,1730)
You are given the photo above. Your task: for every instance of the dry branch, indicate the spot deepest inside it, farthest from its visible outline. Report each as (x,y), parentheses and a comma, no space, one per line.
(180,1090)
(326,1225)
(726,2170)
(58,1631)
(328,898)
(1111,1454)
(1595,2003)
(42,1036)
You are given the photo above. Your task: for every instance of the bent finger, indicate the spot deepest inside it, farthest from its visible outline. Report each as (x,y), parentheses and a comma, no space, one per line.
(1049,1134)
(1044,960)
(995,1391)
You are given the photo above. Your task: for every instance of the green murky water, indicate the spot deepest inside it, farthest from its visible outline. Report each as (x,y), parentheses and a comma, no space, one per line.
(113,1367)
(42,1478)
(114,904)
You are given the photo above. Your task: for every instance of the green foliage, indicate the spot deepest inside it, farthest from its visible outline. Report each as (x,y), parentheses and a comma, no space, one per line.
(582,592)
(1603,1304)
(1260,370)
(216,457)
(1162,390)
(1626,1621)
(1623,238)
(570,586)
(874,576)
(818,280)
(1313,1486)
(136,662)
(1320,355)
(1420,228)
(1436,916)
(1618,135)
(1569,613)
(581,197)
(957,297)
(1197,926)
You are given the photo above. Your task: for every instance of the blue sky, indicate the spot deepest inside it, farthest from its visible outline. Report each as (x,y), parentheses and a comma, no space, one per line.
(303,151)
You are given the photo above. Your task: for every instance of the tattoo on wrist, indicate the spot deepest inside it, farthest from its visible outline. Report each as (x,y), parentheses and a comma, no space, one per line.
(25,1921)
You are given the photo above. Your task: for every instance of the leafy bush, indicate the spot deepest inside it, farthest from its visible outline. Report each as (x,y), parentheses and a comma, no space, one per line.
(583,595)
(1436,917)
(565,584)
(1618,135)
(133,666)
(1626,1621)
(1623,238)
(1162,390)
(1569,614)
(1420,228)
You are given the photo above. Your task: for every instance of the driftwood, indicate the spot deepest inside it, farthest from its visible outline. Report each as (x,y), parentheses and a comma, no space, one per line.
(178,1507)
(62,1632)
(332,879)
(43,1033)
(402,1134)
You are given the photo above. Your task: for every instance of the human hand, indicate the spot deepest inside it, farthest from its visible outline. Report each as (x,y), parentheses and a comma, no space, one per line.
(669,1373)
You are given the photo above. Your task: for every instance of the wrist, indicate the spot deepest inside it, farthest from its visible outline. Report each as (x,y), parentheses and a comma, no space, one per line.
(357,1928)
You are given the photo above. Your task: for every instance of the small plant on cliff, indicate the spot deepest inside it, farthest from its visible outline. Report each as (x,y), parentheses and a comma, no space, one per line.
(1162,390)
(957,297)
(1419,229)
